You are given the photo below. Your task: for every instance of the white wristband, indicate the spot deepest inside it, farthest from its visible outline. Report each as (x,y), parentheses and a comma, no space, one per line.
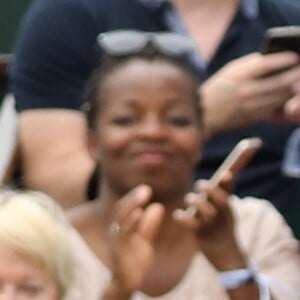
(235,278)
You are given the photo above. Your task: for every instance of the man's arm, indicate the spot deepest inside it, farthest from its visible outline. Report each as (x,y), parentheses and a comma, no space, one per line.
(54,155)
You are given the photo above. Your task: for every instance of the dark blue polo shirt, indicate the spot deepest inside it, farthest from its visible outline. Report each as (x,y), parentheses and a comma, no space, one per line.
(56,52)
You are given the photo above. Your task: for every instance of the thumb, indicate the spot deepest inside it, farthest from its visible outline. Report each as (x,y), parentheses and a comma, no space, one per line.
(151,221)
(292,109)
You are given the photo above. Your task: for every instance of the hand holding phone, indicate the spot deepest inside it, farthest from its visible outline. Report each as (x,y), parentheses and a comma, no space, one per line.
(237,160)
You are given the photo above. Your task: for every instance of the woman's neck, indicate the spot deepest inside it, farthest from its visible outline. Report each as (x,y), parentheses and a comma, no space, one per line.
(171,201)
(171,198)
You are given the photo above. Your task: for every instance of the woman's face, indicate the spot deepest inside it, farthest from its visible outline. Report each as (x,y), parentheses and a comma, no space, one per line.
(20,280)
(148,130)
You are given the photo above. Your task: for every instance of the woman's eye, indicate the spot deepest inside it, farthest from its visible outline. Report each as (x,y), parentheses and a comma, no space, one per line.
(180,121)
(124,120)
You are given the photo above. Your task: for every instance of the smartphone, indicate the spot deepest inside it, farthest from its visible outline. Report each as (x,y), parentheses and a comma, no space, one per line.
(278,39)
(235,162)
(238,158)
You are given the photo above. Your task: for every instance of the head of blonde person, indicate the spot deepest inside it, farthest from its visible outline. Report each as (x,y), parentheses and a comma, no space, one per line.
(35,257)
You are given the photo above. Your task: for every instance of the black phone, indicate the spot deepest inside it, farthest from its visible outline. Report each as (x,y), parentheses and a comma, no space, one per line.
(278,39)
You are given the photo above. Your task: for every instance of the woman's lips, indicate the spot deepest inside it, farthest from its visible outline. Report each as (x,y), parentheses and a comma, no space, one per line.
(152,158)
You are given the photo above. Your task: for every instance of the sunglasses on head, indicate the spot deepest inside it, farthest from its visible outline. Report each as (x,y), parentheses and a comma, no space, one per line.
(126,42)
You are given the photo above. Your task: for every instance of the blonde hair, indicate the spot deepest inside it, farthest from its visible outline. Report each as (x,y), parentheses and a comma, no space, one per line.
(33,225)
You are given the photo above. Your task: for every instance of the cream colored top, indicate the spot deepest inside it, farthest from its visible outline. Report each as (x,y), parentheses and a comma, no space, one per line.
(261,233)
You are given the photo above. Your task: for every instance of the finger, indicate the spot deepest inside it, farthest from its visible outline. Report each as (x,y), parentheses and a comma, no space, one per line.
(277,118)
(129,224)
(270,101)
(266,106)
(292,109)
(258,65)
(184,218)
(215,194)
(151,221)
(205,211)
(197,185)
(138,197)
(283,79)
(270,84)
(226,181)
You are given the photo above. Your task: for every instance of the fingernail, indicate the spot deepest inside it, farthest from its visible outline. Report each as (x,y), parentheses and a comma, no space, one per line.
(294,57)
(200,184)
(190,198)
(206,185)
(291,107)
(142,191)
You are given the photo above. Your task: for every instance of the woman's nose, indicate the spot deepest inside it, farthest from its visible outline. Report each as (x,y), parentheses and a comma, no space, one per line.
(153,127)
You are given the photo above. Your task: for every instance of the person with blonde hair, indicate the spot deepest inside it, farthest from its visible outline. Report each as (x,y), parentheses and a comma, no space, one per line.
(35,255)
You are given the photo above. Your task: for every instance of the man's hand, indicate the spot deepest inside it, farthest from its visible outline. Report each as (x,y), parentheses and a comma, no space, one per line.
(250,89)
(292,107)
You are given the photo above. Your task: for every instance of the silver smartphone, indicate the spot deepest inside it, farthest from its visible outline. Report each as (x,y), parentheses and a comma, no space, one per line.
(236,160)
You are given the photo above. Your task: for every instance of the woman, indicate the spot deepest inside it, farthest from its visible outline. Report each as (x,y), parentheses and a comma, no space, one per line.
(137,240)
(35,255)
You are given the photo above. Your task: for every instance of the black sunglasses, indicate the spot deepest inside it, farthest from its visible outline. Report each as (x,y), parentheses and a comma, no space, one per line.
(126,42)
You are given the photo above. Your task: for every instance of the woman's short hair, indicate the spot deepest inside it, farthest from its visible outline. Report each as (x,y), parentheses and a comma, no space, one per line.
(33,225)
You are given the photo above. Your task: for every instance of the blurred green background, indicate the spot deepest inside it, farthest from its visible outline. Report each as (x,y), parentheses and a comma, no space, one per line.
(10,15)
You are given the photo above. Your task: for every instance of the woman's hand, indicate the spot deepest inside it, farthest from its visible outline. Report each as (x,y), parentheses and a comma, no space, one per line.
(213,223)
(132,233)
(250,89)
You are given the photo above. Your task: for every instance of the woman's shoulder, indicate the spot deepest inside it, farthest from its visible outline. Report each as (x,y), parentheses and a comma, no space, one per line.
(251,207)
(256,217)
(254,214)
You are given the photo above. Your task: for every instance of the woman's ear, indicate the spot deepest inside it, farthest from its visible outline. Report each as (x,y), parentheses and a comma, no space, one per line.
(92,146)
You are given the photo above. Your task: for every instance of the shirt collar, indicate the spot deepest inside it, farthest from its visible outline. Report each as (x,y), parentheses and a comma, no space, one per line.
(250,8)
